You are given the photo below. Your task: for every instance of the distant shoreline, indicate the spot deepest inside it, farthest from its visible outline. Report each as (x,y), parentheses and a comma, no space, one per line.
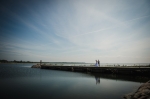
(82,64)
(49,62)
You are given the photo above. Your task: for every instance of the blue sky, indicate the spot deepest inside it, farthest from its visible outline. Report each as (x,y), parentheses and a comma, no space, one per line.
(113,31)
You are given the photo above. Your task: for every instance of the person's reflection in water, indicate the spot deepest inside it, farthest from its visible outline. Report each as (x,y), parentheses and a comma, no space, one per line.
(97,80)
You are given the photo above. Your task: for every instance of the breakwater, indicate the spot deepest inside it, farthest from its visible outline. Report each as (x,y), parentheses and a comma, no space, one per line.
(143,92)
(111,70)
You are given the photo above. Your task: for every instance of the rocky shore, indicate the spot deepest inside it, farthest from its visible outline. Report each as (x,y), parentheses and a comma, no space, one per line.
(36,66)
(143,92)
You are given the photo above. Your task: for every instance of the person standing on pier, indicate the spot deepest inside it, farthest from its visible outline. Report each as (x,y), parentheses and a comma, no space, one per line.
(98,63)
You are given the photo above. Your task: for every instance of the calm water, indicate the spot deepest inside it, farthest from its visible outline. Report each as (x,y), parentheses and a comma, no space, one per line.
(19,81)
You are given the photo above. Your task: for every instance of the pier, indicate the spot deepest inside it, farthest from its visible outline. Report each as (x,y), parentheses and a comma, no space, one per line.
(109,70)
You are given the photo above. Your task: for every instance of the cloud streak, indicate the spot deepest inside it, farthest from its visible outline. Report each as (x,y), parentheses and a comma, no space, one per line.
(118,25)
(77,30)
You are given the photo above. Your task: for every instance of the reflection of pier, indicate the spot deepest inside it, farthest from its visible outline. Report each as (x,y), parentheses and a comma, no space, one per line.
(133,78)
(109,70)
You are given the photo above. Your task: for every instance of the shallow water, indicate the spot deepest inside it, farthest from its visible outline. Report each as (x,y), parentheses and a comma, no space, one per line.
(19,81)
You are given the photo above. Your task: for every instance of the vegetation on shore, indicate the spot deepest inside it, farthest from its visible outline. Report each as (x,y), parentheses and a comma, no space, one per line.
(15,61)
(6,61)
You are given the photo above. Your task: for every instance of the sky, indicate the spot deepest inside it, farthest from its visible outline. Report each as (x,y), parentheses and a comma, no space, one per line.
(113,31)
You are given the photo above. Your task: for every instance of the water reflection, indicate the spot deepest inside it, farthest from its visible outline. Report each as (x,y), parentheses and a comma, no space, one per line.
(54,84)
(97,80)
(133,78)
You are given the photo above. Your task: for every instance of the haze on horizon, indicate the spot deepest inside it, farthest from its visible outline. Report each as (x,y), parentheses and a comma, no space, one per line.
(113,31)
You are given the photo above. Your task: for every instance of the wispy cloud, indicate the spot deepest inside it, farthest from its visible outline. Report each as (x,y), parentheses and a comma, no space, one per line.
(79,30)
(122,24)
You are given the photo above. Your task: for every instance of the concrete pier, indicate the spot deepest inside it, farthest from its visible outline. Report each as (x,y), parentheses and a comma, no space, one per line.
(111,70)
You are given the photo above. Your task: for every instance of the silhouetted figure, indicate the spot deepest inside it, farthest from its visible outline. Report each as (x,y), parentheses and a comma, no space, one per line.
(98,63)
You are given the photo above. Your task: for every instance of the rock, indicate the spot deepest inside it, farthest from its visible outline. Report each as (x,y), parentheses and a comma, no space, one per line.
(36,66)
(128,96)
(143,92)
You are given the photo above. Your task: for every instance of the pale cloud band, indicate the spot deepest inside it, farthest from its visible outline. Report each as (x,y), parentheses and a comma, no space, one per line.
(77,30)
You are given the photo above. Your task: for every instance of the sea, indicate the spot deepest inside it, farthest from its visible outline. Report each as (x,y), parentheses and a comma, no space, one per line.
(20,81)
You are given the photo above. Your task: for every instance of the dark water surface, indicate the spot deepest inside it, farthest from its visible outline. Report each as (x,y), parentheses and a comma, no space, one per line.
(19,81)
